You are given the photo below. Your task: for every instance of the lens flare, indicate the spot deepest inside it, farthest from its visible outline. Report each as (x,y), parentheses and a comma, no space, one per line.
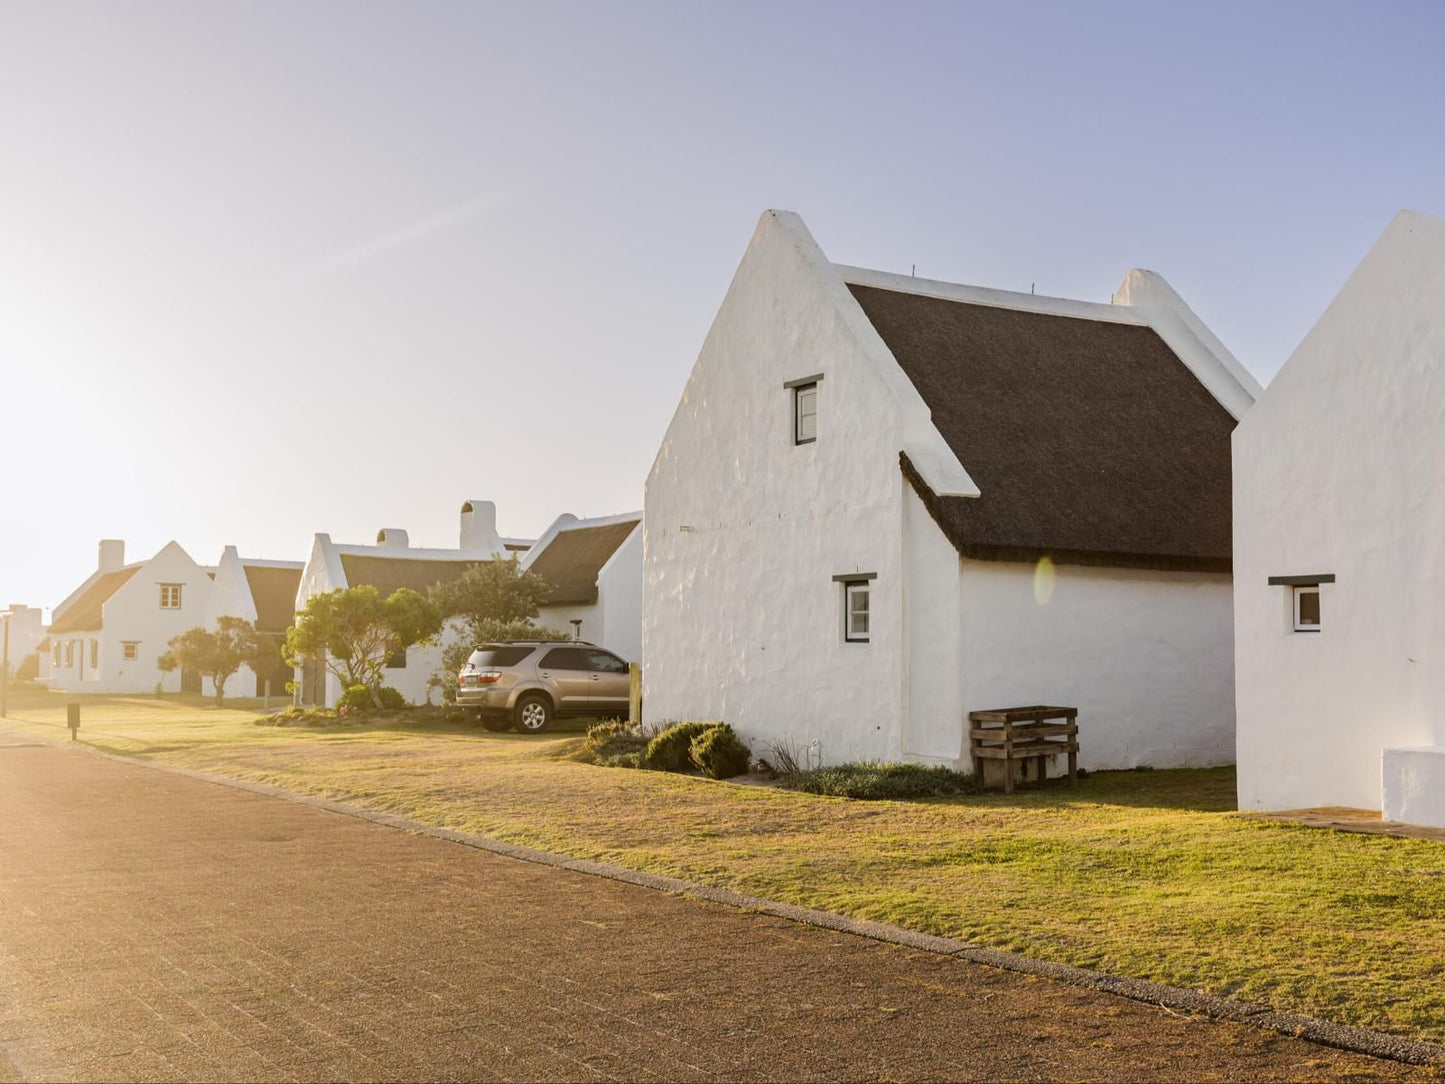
(1044,581)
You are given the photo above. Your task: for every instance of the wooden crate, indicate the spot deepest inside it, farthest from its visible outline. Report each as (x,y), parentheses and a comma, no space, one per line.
(1035,733)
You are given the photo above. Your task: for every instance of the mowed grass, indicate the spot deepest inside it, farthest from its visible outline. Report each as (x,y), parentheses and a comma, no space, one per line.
(1143,874)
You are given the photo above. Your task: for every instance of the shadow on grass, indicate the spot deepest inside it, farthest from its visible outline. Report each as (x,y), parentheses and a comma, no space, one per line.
(1192,790)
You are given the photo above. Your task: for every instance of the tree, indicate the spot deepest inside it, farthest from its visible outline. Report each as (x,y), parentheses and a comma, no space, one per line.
(219,654)
(495,600)
(352,631)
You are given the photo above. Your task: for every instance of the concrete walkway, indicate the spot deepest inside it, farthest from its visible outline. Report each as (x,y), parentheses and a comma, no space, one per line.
(158,927)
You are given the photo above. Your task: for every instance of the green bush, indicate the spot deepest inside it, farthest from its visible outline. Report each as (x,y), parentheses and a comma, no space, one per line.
(719,752)
(358,699)
(671,751)
(608,743)
(873,780)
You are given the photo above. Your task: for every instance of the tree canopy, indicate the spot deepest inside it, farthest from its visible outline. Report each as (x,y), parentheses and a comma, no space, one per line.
(352,631)
(220,653)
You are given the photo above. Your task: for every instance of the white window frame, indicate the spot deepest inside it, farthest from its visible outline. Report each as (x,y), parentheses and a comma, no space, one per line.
(811,391)
(1299,591)
(166,589)
(94,647)
(129,650)
(854,584)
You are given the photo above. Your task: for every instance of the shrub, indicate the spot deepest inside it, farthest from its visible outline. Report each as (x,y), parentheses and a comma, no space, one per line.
(671,751)
(607,742)
(358,699)
(719,752)
(873,780)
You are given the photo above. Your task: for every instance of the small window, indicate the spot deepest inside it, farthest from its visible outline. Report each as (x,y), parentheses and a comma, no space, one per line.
(94,654)
(605,662)
(855,612)
(69,652)
(1307,608)
(396,660)
(130,650)
(170,596)
(56,660)
(562,658)
(805,413)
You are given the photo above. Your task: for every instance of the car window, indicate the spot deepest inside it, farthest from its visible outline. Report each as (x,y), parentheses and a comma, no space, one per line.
(497,657)
(606,662)
(563,658)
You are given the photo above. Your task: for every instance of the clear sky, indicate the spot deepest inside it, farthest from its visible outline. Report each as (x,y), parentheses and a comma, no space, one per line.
(268,269)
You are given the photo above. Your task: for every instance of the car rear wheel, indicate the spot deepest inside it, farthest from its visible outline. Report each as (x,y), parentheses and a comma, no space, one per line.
(533,714)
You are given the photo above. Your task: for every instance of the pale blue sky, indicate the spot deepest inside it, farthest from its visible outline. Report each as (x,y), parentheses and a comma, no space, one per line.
(271,269)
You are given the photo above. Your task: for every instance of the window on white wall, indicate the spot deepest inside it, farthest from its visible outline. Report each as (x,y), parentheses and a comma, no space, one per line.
(805,408)
(170,596)
(94,654)
(1307,608)
(857,606)
(129,650)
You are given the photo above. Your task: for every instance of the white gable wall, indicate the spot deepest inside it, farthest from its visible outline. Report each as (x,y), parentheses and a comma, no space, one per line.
(741,618)
(1341,469)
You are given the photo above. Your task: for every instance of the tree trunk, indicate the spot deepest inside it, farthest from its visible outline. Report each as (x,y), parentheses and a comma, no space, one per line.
(375,691)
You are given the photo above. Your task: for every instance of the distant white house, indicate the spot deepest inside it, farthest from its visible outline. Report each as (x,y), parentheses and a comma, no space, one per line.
(393,563)
(595,568)
(1339,520)
(106,636)
(262,592)
(26,632)
(885,501)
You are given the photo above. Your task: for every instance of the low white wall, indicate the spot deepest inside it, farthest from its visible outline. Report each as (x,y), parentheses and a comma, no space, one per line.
(1413,785)
(1146,657)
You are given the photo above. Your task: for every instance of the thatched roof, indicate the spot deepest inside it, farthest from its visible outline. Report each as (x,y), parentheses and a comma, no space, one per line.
(388,574)
(574,557)
(1090,440)
(85,613)
(273,591)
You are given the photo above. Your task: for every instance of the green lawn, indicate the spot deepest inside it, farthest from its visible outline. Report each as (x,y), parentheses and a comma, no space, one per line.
(1143,874)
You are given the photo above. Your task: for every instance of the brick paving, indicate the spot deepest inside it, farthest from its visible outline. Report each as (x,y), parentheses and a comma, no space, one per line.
(155,927)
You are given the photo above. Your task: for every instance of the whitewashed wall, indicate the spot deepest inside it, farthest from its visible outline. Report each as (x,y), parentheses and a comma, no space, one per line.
(741,618)
(1340,469)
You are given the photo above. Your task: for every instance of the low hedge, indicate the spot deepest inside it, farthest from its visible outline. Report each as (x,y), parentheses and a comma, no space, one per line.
(875,780)
(719,752)
(671,751)
(358,698)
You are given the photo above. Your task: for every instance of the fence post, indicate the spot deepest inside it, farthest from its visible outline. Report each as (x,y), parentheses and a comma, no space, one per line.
(266,696)
(634,693)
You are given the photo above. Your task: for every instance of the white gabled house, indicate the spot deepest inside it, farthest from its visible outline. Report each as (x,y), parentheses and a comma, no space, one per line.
(262,592)
(885,501)
(1339,521)
(106,636)
(595,568)
(393,563)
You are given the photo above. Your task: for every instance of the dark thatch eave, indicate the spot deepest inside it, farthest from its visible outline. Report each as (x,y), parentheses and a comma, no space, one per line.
(390,574)
(1090,440)
(574,558)
(947,513)
(87,611)
(273,593)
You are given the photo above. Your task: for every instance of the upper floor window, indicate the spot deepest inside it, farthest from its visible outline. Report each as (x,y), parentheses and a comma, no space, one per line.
(1307,608)
(805,408)
(857,606)
(129,649)
(396,660)
(170,596)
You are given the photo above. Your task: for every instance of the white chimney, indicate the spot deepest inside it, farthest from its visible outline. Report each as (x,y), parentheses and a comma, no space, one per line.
(479,527)
(392,538)
(112,554)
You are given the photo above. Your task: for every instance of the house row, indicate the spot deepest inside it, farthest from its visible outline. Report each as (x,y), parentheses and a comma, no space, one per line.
(108,634)
(884,502)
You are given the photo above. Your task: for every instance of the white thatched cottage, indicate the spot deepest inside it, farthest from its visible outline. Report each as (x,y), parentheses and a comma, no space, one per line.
(885,501)
(1339,506)
(595,569)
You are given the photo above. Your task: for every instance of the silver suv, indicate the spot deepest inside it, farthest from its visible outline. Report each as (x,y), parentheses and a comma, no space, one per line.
(528,683)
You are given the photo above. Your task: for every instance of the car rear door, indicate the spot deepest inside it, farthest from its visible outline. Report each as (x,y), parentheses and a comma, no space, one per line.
(566,673)
(611,682)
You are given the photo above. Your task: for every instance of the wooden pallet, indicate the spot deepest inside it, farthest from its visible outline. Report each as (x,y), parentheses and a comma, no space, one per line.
(1029,733)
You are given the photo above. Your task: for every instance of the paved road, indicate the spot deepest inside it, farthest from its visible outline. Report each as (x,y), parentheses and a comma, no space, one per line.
(157,927)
